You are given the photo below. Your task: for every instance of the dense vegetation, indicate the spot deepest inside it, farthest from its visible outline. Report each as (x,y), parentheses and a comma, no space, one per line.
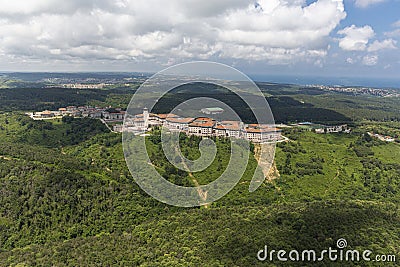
(68,199)
(77,204)
(38,99)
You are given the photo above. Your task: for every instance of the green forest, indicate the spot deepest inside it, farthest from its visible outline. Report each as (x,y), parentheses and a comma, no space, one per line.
(68,199)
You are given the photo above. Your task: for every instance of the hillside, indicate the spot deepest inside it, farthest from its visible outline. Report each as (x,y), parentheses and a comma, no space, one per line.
(75,203)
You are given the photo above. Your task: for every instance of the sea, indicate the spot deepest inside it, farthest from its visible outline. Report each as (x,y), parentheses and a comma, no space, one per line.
(393,83)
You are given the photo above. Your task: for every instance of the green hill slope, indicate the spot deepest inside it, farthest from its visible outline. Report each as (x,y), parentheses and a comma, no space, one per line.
(77,205)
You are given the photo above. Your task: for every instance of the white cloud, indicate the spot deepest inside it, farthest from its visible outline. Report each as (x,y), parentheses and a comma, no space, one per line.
(367,3)
(278,31)
(396,32)
(350,60)
(355,38)
(385,44)
(370,60)
(393,34)
(396,24)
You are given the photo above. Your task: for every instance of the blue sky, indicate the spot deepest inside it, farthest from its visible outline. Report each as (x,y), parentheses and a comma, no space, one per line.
(286,37)
(382,18)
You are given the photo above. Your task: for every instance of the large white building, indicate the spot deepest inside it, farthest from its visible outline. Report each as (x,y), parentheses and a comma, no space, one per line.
(229,129)
(260,133)
(178,123)
(203,126)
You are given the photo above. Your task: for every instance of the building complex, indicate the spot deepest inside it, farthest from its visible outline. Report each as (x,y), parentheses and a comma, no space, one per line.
(201,126)
(108,114)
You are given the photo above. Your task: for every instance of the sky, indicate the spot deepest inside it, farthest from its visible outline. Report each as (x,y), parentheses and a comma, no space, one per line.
(359,38)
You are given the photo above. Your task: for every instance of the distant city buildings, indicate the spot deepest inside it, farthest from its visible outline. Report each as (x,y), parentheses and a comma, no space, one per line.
(359,90)
(85,86)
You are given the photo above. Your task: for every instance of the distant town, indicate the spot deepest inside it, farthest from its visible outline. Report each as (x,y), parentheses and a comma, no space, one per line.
(359,90)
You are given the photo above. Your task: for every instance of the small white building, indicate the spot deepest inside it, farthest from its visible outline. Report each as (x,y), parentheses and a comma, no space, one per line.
(118,128)
(113,116)
(210,111)
(336,129)
(47,114)
(333,129)
(63,111)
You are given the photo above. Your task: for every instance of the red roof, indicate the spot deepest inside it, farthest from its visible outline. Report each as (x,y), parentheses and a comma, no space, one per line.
(203,122)
(180,120)
(228,125)
(261,129)
(169,115)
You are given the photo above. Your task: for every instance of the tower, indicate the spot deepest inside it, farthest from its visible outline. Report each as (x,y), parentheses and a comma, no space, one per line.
(146,117)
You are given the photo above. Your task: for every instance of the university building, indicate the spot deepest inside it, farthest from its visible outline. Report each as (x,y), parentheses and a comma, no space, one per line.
(203,126)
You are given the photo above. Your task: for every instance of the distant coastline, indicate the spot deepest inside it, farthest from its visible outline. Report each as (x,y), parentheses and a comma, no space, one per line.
(392,83)
(374,82)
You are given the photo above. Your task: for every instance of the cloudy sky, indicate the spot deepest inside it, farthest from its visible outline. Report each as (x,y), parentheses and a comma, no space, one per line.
(327,37)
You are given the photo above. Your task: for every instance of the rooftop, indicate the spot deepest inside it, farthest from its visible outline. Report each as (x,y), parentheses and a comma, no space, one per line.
(261,129)
(203,122)
(213,109)
(169,115)
(228,125)
(180,120)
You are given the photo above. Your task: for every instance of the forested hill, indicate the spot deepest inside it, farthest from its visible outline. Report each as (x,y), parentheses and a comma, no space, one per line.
(74,203)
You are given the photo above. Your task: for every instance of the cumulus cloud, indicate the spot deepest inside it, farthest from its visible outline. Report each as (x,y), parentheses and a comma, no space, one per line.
(385,44)
(370,60)
(396,32)
(396,24)
(393,34)
(278,31)
(355,38)
(367,3)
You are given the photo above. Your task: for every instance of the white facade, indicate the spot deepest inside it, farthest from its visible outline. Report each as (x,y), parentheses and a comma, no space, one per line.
(201,131)
(333,129)
(176,126)
(118,116)
(260,133)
